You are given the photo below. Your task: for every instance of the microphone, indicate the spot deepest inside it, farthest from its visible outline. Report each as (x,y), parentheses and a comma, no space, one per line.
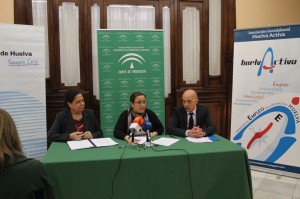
(146,128)
(139,119)
(135,126)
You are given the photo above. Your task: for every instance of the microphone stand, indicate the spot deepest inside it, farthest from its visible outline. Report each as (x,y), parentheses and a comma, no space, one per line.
(148,139)
(131,136)
(132,140)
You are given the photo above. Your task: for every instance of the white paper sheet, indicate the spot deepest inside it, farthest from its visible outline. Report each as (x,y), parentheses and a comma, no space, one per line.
(199,140)
(165,141)
(103,142)
(80,144)
(98,142)
(142,139)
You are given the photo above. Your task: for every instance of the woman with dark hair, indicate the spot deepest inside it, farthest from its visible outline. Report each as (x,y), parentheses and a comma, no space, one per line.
(75,122)
(137,108)
(20,177)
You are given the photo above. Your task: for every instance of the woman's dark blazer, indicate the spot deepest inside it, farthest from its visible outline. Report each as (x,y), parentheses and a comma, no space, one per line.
(64,125)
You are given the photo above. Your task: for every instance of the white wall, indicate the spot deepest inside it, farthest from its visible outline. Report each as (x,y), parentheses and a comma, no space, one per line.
(7,11)
(260,13)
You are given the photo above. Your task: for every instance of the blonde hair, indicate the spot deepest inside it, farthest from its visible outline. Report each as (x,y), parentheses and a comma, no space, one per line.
(9,137)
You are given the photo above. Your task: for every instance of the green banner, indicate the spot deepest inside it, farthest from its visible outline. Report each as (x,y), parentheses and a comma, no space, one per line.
(129,60)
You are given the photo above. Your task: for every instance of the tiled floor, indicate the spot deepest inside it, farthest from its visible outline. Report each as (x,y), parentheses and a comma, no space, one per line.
(272,186)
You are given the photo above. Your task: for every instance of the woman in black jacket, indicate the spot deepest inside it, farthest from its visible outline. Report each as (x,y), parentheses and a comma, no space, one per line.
(20,177)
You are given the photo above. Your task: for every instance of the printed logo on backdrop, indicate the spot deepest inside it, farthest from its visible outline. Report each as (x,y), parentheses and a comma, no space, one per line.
(156,82)
(131,61)
(156,94)
(139,38)
(124,83)
(108,84)
(108,96)
(155,38)
(123,38)
(108,107)
(155,67)
(272,129)
(140,83)
(155,51)
(105,37)
(108,118)
(106,68)
(106,52)
(268,62)
(124,95)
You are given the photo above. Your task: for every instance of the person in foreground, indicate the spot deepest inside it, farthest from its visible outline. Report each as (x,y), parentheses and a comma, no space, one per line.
(137,108)
(20,177)
(75,122)
(191,119)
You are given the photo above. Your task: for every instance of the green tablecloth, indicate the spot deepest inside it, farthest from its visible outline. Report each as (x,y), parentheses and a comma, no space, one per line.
(186,170)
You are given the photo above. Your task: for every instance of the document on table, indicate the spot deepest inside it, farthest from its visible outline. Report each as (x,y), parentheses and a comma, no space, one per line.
(141,140)
(90,143)
(199,140)
(165,141)
(103,142)
(80,144)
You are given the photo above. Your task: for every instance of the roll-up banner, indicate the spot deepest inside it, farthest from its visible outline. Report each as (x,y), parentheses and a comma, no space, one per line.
(22,84)
(129,60)
(265,97)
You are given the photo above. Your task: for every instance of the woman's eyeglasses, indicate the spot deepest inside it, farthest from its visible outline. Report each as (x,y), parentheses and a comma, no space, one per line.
(140,102)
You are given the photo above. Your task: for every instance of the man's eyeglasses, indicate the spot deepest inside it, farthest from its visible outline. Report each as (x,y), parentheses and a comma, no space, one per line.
(140,102)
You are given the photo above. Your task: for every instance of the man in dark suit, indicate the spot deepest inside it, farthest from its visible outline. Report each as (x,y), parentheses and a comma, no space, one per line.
(191,119)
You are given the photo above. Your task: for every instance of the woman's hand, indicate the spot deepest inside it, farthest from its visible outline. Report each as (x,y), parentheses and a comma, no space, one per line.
(87,135)
(153,134)
(129,139)
(76,136)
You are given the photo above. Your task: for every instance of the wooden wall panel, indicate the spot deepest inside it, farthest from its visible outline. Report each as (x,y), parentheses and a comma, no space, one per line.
(23,12)
(215,92)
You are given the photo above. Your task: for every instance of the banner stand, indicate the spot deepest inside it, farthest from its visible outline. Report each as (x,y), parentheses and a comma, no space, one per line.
(22,84)
(266,97)
(129,60)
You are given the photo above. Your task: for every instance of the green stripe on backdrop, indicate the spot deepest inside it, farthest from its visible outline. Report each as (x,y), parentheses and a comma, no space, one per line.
(129,60)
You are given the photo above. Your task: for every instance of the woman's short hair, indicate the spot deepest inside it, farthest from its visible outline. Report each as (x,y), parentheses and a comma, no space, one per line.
(136,94)
(70,95)
(9,137)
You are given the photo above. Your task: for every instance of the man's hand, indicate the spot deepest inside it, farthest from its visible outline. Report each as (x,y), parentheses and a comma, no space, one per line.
(196,132)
